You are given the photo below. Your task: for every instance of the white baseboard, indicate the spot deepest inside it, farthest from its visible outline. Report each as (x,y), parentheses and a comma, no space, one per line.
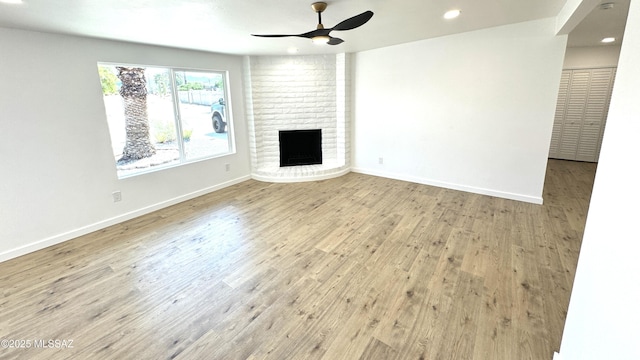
(56,239)
(471,189)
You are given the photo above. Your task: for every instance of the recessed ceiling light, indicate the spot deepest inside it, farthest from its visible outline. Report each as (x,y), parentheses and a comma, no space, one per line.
(608,40)
(607,6)
(11,1)
(452,14)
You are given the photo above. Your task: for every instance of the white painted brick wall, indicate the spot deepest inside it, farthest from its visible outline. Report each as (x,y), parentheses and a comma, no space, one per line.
(294,93)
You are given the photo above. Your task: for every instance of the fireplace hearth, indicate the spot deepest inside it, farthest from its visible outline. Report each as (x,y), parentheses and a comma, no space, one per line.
(300,147)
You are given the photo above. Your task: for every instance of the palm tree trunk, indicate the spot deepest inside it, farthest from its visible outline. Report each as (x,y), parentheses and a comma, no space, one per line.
(134,93)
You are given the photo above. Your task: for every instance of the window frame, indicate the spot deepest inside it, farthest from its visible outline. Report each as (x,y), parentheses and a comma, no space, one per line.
(178,119)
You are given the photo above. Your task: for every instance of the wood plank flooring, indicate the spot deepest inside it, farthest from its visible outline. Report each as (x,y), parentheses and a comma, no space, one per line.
(357,267)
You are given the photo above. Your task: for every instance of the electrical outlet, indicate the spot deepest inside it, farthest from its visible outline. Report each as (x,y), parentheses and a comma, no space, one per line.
(117,196)
(227,167)
(380,160)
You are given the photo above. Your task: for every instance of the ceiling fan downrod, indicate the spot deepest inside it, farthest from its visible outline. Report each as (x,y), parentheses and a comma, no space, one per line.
(319,7)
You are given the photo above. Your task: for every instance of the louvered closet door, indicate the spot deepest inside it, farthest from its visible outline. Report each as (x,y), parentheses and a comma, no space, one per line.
(580,114)
(576,103)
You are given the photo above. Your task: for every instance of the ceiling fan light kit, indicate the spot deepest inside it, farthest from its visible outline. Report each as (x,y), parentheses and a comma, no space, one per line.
(320,39)
(321,35)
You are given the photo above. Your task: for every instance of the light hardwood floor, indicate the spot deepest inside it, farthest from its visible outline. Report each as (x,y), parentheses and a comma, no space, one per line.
(357,267)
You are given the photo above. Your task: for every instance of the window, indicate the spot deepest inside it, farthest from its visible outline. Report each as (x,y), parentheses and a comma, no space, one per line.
(161,117)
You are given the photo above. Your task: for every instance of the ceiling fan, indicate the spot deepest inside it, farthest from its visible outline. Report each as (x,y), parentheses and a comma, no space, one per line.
(320,34)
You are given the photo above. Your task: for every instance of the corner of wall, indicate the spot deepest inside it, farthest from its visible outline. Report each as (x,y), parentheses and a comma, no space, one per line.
(343,108)
(248,97)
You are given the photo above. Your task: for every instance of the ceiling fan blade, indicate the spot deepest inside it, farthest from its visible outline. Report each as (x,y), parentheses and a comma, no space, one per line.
(273,35)
(335,41)
(309,35)
(354,22)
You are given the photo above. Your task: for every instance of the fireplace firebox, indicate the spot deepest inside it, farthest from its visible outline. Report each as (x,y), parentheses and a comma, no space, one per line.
(300,147)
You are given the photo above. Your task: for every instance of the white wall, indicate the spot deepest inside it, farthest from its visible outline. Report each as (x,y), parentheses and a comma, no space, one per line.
(591,57)
(57,166)
(472,111)
(603,321)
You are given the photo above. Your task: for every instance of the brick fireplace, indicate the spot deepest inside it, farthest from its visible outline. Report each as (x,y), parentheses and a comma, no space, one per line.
(285,93)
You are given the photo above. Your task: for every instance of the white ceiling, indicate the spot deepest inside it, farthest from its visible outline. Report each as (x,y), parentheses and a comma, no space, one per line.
(225,25)
(601,23)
